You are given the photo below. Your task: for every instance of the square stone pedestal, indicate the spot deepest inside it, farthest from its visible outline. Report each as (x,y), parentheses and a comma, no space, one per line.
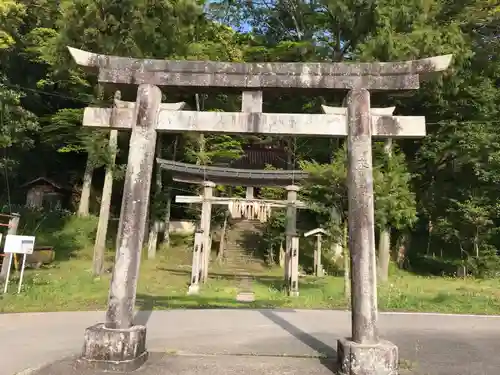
(362,359)
(193,289)
(119,350)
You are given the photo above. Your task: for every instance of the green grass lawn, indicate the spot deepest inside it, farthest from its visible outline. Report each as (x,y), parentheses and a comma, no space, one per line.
(68,285)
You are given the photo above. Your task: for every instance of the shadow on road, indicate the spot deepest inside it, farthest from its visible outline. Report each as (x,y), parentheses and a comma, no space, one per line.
(328,355)
(146,306)
(146,303)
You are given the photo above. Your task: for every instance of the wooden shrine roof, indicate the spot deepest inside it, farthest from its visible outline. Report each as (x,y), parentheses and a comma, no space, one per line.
(192,173)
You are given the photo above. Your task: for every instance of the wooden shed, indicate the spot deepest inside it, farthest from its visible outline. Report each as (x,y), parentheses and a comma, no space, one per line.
(45,193)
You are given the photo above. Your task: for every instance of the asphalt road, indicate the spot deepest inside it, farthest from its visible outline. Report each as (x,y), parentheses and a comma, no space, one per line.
(430,344)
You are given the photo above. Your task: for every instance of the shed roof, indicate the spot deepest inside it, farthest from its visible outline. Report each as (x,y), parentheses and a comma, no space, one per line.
(43,180)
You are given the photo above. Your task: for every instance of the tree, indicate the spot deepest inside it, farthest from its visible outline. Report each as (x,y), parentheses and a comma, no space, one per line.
(16,122)
(65,132)
(395,205)
(394,201)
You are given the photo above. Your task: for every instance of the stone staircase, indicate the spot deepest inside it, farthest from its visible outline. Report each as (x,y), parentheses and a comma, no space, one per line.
(242,241)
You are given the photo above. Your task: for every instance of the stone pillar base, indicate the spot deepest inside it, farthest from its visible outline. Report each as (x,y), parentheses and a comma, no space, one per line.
(193,289)
(363,359)
(118,350)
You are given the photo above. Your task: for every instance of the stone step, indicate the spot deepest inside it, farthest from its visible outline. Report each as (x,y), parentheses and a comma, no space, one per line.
(239,253)
(240,259)
(240,263)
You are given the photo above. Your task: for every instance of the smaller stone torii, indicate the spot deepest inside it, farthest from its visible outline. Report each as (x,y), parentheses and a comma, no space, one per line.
(201,250)
(208,176)
(118,344)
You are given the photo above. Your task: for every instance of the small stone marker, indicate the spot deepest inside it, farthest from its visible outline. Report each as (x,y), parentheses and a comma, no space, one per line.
(246,293)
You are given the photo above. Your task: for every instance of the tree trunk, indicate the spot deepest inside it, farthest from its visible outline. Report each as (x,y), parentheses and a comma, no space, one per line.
(107,191)
(401,256)
(166,220)
(222,243)
(155,227)
(336,250)
(384,244)
(384,254)
(282,255)
(146,225)
(347,265)
(272,260)
(153,239)
(83,207)
(289,154)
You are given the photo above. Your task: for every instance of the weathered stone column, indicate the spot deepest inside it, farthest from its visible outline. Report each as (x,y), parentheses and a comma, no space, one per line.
(364,353)
(318,267)
(249,192)
(117,345)
(290,232)
(206,218)
(294,267)
(198,253)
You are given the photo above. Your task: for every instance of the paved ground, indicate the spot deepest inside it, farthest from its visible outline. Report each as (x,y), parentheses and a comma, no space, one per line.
(429,344)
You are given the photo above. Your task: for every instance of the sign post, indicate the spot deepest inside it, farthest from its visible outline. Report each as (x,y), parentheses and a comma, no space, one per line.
(13,224)
(15,244)
(318,232)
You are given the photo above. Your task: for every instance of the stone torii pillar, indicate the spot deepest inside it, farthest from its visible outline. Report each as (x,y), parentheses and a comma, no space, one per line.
(364,353)
(292,243)
(206,218)
(117,345)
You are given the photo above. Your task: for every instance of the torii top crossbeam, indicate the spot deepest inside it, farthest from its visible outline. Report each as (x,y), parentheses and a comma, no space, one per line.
(404,75)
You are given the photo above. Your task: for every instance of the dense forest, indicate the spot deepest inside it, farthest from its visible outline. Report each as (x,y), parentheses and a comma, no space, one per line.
(436,198)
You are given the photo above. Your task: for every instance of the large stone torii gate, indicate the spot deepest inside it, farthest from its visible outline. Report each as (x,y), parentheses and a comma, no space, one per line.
(118,344)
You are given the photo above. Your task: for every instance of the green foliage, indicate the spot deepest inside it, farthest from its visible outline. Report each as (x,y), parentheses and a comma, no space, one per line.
(449,180)
(11,14)
(70,235)
(15,121)
(216,148)
(326,192)
(395,204)
(273,235)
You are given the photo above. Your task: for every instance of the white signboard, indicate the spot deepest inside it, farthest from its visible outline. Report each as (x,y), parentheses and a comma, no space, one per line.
(19,244)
